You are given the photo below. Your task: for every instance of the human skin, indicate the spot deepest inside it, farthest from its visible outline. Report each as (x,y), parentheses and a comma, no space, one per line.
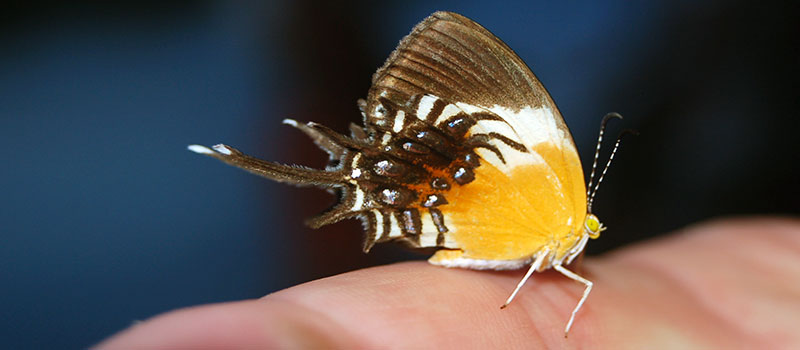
(725,284)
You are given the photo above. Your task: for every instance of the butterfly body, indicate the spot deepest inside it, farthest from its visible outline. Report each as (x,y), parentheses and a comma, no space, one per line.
(461,149)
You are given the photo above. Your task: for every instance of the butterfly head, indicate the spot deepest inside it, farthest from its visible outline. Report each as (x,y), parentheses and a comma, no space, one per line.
(593,226)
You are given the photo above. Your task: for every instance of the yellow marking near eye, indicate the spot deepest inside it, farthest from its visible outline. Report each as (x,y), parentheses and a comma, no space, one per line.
(593,224)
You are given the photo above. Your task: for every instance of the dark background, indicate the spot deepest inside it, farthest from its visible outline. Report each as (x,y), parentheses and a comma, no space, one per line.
(106,219)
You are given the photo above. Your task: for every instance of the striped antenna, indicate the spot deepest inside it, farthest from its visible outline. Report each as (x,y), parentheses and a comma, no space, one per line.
(608,164)
(597,152)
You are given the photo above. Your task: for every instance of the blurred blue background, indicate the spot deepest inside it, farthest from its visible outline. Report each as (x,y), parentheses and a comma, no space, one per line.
(106,219)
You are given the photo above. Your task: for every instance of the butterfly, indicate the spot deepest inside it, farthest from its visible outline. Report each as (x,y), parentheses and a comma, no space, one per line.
(461,149)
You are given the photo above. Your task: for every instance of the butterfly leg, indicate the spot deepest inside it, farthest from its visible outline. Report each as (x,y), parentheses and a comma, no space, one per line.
(586,291)
(535,266)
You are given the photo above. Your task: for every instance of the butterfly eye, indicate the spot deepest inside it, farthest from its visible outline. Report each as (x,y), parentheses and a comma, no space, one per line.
(593,226)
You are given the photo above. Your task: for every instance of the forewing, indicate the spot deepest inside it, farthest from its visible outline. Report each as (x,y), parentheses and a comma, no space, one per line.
(450,56)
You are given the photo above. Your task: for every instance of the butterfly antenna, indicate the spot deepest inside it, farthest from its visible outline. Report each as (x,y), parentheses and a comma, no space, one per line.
(597,151)
(608,164)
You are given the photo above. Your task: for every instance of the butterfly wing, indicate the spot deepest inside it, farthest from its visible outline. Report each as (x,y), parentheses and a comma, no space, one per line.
(462,148)
(450,56)
(528,190)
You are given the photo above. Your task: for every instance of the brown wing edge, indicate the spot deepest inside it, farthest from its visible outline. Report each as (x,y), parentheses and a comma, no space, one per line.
(499,75)
(524,89)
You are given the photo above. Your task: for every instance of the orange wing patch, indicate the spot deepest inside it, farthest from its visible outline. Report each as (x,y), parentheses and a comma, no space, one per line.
(511,217)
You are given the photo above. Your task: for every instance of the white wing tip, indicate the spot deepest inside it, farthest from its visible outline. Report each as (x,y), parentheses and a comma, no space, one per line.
(222,149)
(200,149)
(291,122)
